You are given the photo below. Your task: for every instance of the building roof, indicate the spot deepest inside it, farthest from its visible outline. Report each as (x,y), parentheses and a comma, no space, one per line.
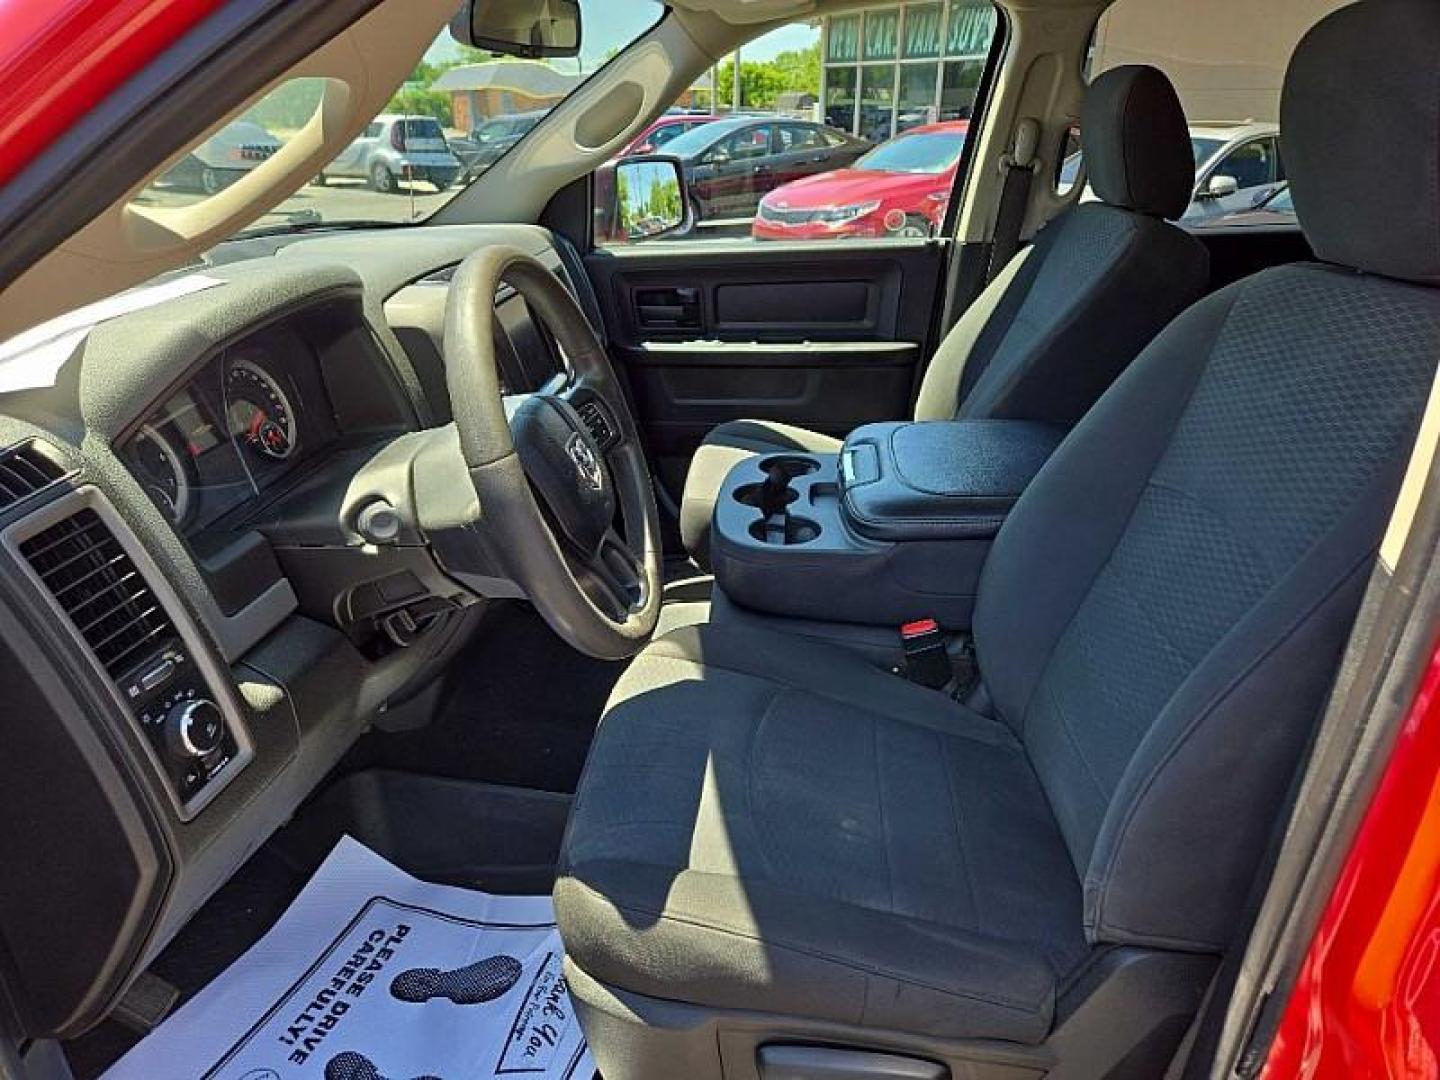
(530,77)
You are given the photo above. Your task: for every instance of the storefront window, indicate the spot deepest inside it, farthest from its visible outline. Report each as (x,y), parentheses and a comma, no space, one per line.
(840,98)
(882,33)
(922,31)
(844,39)
(971,28)
(917,96)
(877,101)
(958,91)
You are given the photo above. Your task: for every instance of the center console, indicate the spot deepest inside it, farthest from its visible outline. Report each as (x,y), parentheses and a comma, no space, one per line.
(895,527)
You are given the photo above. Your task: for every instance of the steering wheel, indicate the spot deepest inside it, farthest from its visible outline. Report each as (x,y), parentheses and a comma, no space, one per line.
(549,477)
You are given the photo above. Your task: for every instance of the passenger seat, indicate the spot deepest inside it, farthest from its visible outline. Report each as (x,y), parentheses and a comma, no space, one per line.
(1065,317)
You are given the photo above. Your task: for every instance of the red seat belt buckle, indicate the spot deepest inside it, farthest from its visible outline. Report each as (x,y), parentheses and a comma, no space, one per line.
(926,661)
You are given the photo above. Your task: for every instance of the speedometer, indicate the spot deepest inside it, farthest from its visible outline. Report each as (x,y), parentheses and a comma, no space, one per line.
(162,472)
(258,412)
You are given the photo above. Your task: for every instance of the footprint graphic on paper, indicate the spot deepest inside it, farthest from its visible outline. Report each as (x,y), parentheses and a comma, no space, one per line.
(485,980)
(352,1066)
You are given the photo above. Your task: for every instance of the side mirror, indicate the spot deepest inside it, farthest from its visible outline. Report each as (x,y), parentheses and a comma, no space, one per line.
(533,29)
(1221,186)
(640,198)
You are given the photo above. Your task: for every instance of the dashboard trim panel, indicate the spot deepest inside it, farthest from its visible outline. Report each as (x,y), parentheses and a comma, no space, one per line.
(202,653)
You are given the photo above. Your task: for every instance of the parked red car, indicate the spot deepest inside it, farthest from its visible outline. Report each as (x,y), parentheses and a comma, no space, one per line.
(653,139)
(901,188)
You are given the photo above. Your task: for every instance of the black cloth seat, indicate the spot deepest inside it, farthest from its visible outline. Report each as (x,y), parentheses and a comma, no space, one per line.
(810,833)
(1064,318)
(776,835)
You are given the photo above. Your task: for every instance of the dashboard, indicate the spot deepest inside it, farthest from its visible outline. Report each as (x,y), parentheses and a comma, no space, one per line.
(193,632)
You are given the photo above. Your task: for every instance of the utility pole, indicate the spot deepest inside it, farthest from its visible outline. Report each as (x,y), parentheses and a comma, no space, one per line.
(735,97)
(715,89)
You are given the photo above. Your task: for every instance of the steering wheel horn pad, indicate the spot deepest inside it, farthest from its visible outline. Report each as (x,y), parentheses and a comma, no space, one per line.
(566,468)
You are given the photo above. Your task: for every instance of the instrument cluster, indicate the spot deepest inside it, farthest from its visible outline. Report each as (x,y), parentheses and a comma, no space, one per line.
(244,420)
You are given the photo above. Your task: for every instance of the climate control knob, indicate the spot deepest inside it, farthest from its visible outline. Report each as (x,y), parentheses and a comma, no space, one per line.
(194,729)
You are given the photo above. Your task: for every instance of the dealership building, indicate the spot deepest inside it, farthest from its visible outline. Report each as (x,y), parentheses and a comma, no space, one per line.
(893,66)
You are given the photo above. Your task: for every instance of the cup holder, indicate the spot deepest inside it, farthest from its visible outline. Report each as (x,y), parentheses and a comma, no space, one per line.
(784,529)
(773,497)
(789,468)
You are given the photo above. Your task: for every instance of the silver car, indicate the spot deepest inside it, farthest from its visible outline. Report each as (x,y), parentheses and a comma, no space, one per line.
(1237,167)
(394,148)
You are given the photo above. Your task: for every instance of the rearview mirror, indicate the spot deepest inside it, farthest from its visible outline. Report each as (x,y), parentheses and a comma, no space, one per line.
(528,28)
(640,198)
(1221,186)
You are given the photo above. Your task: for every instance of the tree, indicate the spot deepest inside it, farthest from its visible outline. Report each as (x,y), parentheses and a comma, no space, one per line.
(421,101)
(763,81)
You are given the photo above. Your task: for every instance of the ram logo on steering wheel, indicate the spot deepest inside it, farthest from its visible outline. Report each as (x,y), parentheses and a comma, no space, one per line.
(587,464)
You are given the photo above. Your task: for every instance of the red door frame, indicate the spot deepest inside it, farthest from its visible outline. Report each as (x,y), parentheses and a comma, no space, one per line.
(1367,1001)
(59,58)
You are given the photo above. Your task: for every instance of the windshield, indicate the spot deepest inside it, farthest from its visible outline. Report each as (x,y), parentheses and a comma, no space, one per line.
(697,139)
(461,110)
(925,152)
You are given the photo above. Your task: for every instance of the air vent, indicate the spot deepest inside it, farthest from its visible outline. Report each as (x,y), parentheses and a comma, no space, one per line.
(24,470)
(93,579)
(594,417)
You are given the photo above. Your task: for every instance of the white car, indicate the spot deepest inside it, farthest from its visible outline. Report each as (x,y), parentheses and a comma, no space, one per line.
(1237,166)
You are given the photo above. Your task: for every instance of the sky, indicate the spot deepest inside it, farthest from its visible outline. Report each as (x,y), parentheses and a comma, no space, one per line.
(611,23)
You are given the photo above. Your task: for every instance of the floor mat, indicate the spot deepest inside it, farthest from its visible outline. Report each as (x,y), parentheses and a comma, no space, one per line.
(373,974)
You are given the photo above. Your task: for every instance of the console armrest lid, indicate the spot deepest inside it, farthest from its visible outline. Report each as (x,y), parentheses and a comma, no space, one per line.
(940,479)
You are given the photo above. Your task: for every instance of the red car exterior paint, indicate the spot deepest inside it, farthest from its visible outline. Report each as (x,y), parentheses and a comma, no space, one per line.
(59,58)
(1367,1002)
(894,202)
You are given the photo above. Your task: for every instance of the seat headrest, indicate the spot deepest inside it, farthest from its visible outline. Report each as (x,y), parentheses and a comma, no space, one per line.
(1360,137)
(1137,147)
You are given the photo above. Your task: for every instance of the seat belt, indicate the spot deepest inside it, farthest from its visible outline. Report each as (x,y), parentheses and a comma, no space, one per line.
(1019,168)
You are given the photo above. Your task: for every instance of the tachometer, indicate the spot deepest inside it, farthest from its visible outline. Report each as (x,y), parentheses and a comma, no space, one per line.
(258,412)
(162,471)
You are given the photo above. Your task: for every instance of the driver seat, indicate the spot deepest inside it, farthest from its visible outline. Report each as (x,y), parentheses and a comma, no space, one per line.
(778,849)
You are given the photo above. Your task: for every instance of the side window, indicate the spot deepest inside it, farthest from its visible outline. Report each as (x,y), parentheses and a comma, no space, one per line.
(825,93)
(663,135)
(745,145)
(372,131)
(796,137)
(1252,164)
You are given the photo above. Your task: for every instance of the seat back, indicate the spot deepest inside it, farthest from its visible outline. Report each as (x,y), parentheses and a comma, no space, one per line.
(1069,313)
(1162,615)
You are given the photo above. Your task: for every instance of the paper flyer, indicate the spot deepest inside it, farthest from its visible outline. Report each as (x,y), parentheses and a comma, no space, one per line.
(373,975)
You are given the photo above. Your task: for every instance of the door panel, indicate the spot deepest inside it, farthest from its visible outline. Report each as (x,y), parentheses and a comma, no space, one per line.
(826,336)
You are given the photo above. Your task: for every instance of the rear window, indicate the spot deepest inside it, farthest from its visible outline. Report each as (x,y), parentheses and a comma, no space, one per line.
(423,128)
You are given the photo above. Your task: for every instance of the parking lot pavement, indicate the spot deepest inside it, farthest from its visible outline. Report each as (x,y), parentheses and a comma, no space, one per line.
(338,201)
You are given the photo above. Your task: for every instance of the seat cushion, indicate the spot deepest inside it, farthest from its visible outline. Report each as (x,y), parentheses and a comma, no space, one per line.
(771,824)
(724,448)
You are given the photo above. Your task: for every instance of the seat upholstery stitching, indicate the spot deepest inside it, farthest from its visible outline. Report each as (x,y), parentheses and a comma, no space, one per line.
(1036,1007)
(959,828)
(880,800)
(750,773)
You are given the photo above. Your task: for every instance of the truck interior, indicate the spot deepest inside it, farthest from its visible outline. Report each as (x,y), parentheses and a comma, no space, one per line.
(946,656)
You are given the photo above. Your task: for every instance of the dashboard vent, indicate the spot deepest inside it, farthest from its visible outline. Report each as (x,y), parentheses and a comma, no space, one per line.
(24,470)
(93,579)
(593,416)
